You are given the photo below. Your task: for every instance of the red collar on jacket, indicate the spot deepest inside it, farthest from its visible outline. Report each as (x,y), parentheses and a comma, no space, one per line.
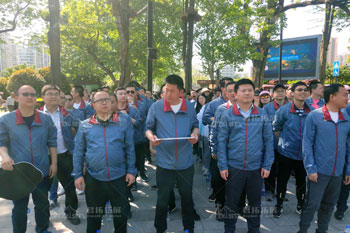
(94,121)
(327,116)
(19,118)
(306,108)
(82,104)
(275,104)
(235,110)
(167,107)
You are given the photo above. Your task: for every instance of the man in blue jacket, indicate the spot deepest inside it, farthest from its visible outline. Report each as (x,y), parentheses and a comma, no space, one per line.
(315,99)
(279,99)
(325,157)
(105,142)
(65,147)
(288,126)
(245,155)
(172,117)
(79,103)
(28,135)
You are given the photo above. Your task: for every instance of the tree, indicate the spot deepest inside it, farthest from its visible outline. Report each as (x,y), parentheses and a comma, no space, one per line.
(26,76)
(344,75)
(334,17)
(263,16)
(14,13)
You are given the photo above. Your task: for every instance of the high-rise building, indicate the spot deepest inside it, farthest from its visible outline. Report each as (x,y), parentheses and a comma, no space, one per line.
(342,58)
(332,53)
(12,54)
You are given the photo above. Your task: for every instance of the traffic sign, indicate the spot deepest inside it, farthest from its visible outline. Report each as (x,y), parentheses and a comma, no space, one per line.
(336,68)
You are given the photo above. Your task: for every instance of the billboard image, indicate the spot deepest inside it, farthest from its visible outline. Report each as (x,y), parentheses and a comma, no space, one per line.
(300,59)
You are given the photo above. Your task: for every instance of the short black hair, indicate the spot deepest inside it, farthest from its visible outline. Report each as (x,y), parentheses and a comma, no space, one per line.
(79,89)
(105,87)
(111,94)
(223,81)
(130,84)
(278,86)
(331,90)
(243,82)
(49,87)
(218,89)
(313,85)
(230,83)
(93,96)
(175,80)
(300,83)
(134,83)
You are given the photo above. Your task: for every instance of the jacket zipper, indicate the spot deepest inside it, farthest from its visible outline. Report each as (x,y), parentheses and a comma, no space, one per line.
(106,153)
(245,145)
(299,137)
(31,147)
(336,147)
(175,144)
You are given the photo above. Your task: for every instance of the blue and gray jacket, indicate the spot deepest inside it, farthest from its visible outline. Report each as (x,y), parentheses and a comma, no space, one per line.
(244,143)
(290,124)
(108,150)
(322,153)
(309,102)
(29,144)
(164,123)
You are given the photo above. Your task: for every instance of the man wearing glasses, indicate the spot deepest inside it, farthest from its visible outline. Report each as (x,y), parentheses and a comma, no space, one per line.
(65,147)
(288,126)
(105,142)
(28,135)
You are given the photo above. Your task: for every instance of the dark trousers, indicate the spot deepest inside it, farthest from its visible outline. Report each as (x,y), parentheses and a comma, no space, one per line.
(140,157)
(217,183)
(41,209)
(322,197)
(166,179)
(270,182)
(343,197)
(285,167)
(237,181)
(97,193)
(64,170)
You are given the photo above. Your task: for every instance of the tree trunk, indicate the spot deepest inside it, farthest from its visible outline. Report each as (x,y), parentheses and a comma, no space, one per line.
(260,64)
(326,36)
(184,35)
(121,12)
(54,41)
(189,53)
(211,72)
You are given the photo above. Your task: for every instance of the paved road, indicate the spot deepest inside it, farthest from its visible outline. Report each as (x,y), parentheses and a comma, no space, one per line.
(143,209)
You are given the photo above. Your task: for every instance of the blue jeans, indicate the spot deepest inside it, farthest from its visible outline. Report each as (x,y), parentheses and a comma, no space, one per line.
(53,189)
(41,209)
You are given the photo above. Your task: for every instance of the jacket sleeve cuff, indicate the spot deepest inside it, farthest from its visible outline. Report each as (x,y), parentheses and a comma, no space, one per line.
(311,169)
(77,175)
(132,171)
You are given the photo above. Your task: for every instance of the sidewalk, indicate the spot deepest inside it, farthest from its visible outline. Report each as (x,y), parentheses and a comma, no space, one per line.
(143,210)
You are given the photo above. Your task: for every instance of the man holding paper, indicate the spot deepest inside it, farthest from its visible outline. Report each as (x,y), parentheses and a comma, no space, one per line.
(172,117)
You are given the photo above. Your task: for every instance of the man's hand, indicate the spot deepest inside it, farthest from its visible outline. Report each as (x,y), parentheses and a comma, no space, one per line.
(154,140)
(211,119)
(133,121)
(52,170)
(224,174)
(130,179)
(80,183)
(194,140)
(123,111)
(214,156)
(313,177)
(347,180)
(7,162)
(264,173)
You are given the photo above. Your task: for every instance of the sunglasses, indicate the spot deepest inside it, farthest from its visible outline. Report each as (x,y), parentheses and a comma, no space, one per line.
(130,92)
(300,90)
(26,94)
(264,97)
(105,100)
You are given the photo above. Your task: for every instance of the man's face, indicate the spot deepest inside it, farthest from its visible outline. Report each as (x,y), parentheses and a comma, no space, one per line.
(68,101)
(289,94)
(113,103)
(102,103)
(279,94)
(121,96)
(300,93)
(319,90)
(245,94)
(230,93)
(340,99)
(131,93)
(51,97)
(172,93)
(26,97)
(148,95)
(62,99)
(74,93)
(142,92)
(193,95)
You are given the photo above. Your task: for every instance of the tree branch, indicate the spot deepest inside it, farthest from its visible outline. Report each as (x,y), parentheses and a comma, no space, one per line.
(143,10)
(14,21)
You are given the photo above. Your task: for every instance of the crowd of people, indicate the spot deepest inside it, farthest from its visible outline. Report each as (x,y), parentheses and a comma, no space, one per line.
(247,140)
